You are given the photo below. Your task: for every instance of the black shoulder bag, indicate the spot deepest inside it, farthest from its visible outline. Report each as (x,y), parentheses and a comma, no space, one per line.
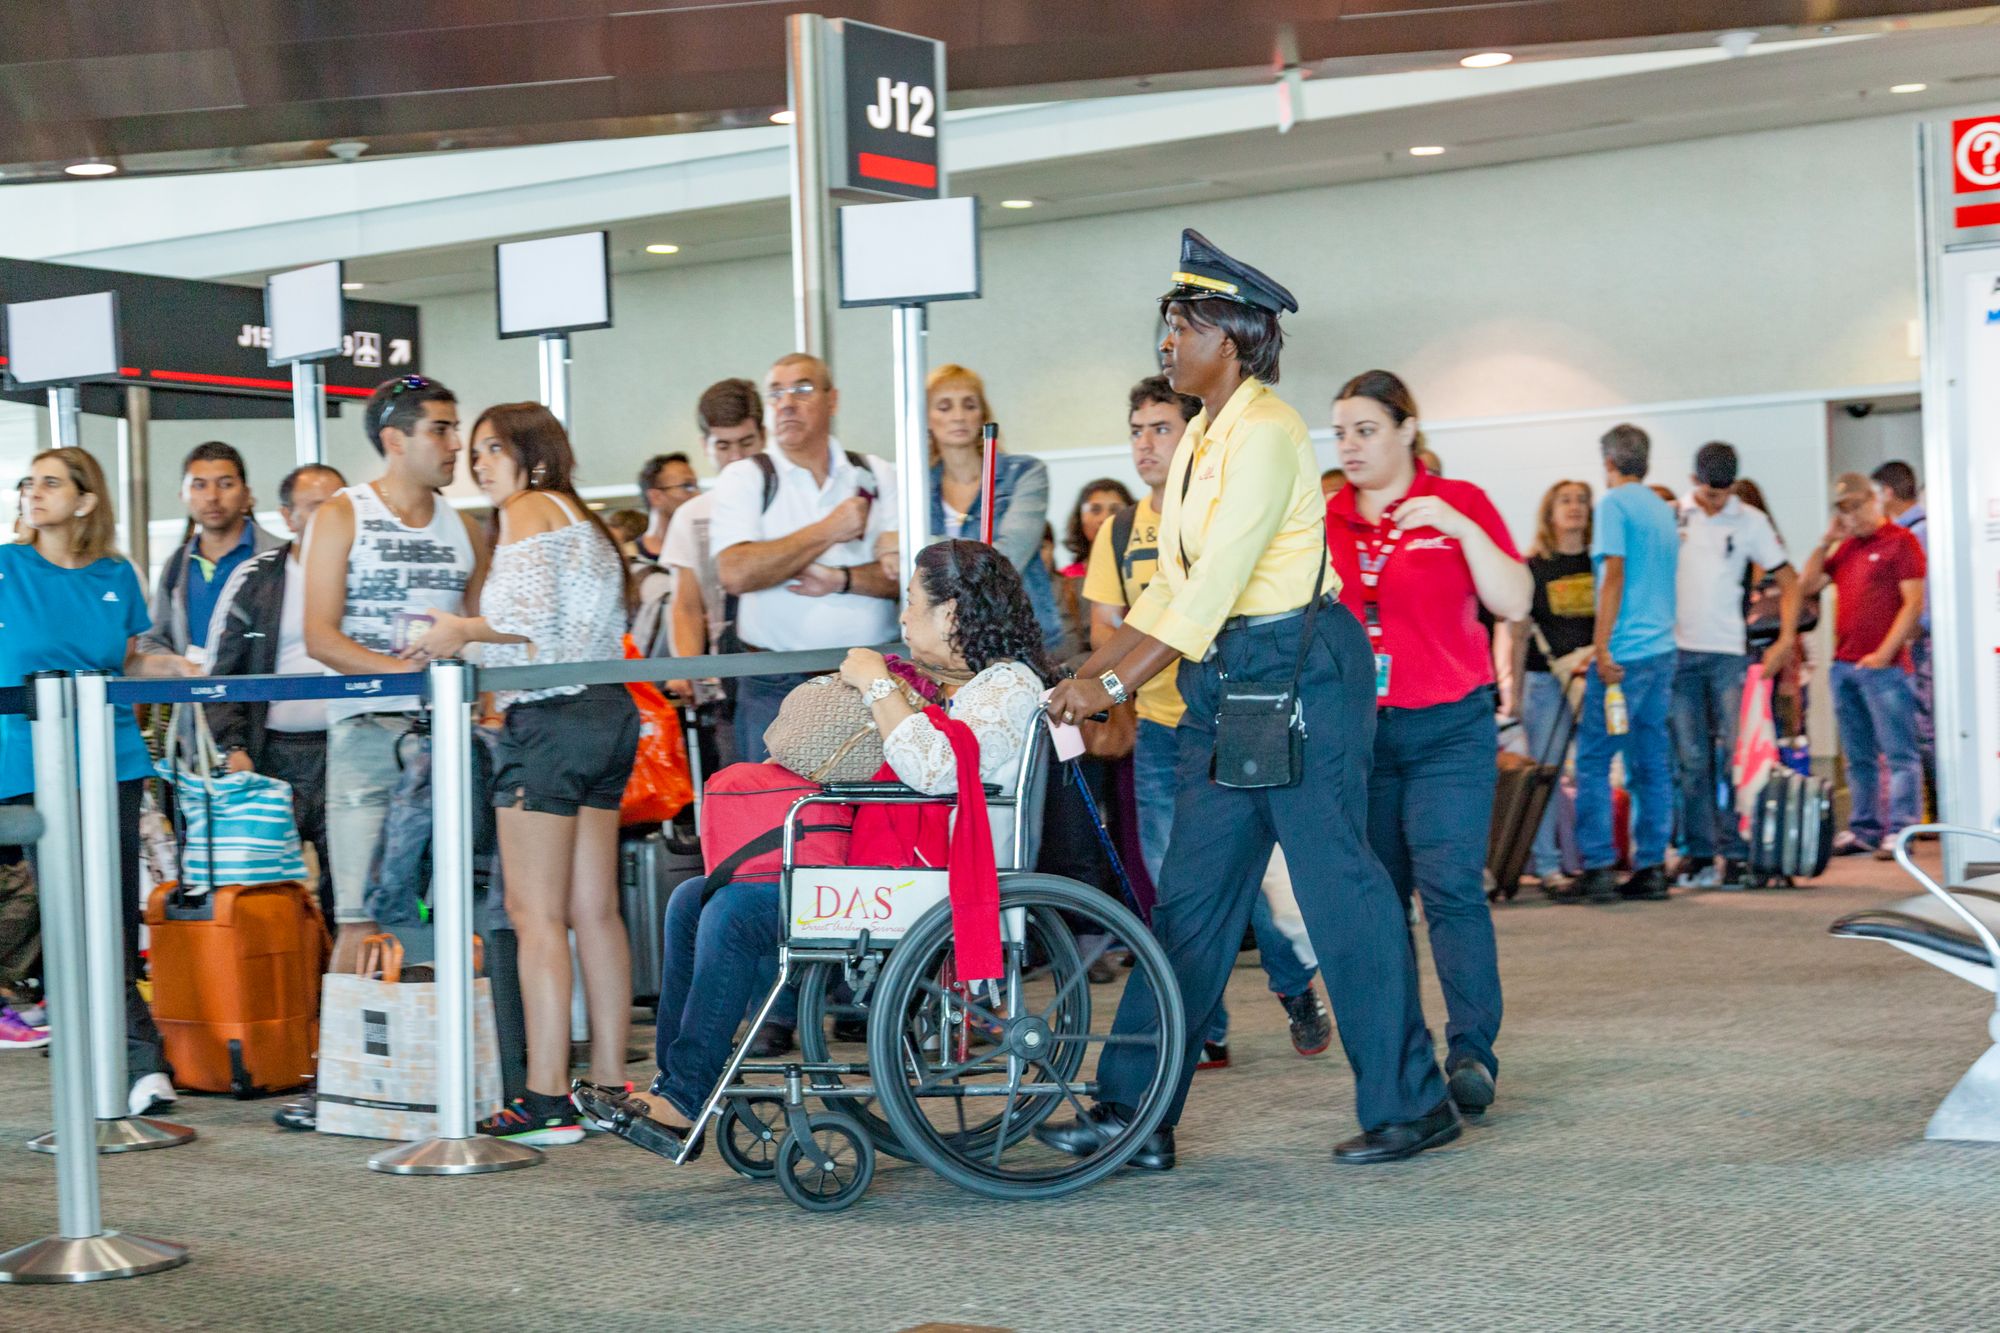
(1260,726)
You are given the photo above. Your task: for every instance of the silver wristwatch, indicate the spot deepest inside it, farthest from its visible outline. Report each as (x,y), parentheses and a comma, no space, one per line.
(879,689)
(1114,687)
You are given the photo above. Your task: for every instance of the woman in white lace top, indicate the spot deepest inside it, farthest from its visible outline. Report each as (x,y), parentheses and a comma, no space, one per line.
(968,621)
(556,592)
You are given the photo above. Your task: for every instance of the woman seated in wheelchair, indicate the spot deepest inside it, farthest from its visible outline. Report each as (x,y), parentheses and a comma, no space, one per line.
(971,629)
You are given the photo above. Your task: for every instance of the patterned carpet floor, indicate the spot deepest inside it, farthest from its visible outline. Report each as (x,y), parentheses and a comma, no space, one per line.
(1710,1117)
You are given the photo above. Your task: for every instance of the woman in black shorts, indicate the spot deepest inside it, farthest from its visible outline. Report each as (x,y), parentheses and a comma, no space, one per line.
(556,593)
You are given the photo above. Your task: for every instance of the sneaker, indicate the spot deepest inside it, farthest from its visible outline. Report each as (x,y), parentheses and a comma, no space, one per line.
(1592,886)
(1214,1055)
(771,1041)
(16,1034)
(1312,1028)
(151,1093)
(536,1119)
(1849,843)
(34,1015)
(1708,877)
(300,1115)
(1648,884)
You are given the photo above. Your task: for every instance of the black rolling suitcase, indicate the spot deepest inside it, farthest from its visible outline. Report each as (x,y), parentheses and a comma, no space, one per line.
(1791,829)
(1521,795)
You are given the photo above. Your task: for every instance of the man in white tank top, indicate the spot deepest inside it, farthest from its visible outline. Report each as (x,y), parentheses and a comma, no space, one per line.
(380,560)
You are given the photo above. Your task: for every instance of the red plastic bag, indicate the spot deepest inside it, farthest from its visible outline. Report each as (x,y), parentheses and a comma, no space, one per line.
(660,786)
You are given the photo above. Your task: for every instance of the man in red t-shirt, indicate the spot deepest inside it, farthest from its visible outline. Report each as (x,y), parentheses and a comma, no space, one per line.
(1877,572)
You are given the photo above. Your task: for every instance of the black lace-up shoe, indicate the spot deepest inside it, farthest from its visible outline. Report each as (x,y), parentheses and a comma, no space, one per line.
(1312,1026)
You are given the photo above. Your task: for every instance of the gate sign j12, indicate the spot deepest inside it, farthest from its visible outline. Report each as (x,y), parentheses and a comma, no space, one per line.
(891,108)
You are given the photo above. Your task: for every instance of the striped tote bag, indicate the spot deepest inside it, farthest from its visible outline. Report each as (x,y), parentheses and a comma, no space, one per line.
(235,828)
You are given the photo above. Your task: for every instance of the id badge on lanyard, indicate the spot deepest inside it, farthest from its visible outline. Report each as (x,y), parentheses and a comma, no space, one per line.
(1373,553)
(1381,658)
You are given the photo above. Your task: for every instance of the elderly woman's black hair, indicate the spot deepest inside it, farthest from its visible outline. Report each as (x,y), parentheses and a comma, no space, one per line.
(994,620)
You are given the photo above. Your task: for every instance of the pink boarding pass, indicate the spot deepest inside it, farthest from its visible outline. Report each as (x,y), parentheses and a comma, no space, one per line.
(1068,740)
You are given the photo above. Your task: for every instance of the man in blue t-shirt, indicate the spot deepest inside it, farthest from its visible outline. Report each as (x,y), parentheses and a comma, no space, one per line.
(1634,547)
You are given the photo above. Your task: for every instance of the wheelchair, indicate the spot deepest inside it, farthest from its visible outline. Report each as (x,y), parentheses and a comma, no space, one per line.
(957,1074)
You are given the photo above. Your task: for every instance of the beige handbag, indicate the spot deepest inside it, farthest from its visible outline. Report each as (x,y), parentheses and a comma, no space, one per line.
(825,732)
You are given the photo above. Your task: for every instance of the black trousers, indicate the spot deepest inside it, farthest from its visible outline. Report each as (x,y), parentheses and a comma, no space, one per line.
(1218,853)
(143,1052)
(299,758)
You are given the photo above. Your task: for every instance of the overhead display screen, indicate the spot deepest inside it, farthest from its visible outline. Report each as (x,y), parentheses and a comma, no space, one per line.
(558,284)
(63,340)
(306,312)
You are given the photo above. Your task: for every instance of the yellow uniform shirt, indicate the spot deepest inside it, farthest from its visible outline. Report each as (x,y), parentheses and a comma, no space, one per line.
(1116,582)
(1252,523)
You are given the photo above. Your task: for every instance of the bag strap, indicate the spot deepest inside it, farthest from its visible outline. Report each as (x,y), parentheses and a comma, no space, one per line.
(770,471)
(1121,535)
(770,840)
(1312,614)
(382,953)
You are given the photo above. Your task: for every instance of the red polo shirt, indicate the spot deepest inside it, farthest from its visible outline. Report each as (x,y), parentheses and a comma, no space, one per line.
(1424,601)
(1868,574)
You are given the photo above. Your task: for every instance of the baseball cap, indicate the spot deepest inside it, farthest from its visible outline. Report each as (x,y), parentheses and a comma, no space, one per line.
(1850,488)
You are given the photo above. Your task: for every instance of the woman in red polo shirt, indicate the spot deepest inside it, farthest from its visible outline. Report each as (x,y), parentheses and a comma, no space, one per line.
(1418,556)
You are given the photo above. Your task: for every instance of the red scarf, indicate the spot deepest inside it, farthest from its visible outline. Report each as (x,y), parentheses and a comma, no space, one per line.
(924,835)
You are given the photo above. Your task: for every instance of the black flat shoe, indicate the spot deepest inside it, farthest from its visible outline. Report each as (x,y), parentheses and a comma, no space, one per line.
(1592,886)
(1648,884)
(616,1113)
(1392,1143)
(1083,1136)
(771,1041)
(1470,1085)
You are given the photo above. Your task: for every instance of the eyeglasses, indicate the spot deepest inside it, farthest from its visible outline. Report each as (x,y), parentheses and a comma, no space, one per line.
(396,391)
(779,391)
(676,486)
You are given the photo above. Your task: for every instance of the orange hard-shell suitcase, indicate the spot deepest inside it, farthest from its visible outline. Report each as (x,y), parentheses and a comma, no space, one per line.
(236,982)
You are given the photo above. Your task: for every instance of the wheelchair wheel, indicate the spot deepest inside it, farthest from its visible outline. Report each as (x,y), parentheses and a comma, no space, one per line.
(748,1137)
(1047,947)
(1025,1045)
(828,1189)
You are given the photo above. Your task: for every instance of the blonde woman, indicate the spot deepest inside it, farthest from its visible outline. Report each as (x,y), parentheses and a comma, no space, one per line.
(71,602)
(1564,610)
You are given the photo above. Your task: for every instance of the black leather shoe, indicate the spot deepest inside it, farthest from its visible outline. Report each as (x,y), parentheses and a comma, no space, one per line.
(770,1041)
(1392,1143)
(1470,1085)
(1085,1135)
(1592,886)
(1648,884)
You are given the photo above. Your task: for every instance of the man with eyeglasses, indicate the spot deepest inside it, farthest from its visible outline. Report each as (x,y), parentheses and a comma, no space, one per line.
(666,483)
(381,560)
(794,531)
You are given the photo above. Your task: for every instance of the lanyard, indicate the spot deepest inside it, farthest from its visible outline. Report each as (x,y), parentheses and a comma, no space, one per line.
(1373,552)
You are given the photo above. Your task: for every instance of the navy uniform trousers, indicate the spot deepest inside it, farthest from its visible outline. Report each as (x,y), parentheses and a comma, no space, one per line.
(1222,843)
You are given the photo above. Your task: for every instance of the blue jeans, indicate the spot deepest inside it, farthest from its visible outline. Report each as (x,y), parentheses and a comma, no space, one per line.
(1430,805)
(1649,765)
(1877,713)
(757,701)
(1708,701)
(1153,793)
(1542,714)
(712,965)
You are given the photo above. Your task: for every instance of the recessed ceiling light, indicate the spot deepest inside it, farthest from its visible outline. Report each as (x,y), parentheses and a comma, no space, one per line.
(352,286)
(782,117)
(1426,150)
(1486,60)
(663,249)
(92,168)
(1017,203)
(1908,87)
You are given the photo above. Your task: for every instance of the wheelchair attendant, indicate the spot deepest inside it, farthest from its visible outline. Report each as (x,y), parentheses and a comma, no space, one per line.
(1276,741)
(970,628)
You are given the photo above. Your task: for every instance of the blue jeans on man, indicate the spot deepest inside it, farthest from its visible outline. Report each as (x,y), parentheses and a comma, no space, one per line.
(1649,765)
(1876,709)
(1707,702)
(1153,758)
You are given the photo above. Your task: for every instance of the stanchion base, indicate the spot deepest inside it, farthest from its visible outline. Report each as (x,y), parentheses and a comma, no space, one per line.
(96,1258)
(454,1157)
(131,1134)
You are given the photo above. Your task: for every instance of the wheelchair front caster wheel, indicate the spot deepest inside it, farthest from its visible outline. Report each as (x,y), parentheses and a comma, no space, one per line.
(748,1137)
(844,1178)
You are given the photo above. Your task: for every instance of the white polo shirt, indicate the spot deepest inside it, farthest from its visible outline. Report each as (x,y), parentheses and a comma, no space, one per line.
(1716,550)
(777,618)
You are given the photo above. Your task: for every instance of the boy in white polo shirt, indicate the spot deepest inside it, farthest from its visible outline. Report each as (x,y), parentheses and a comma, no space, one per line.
(1721,537)
(794,532)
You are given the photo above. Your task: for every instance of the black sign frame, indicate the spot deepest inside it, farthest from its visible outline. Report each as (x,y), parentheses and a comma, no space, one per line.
(900,78)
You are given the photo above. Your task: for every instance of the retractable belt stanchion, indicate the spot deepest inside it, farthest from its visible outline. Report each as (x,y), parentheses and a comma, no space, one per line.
(118,1130)
(457,1149)
(82,1250)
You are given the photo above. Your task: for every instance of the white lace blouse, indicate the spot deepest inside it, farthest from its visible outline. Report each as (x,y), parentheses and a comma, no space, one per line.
(999,705)
(563,591)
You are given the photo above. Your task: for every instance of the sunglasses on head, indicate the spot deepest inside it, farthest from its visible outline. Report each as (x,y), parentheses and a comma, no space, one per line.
(397,390)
